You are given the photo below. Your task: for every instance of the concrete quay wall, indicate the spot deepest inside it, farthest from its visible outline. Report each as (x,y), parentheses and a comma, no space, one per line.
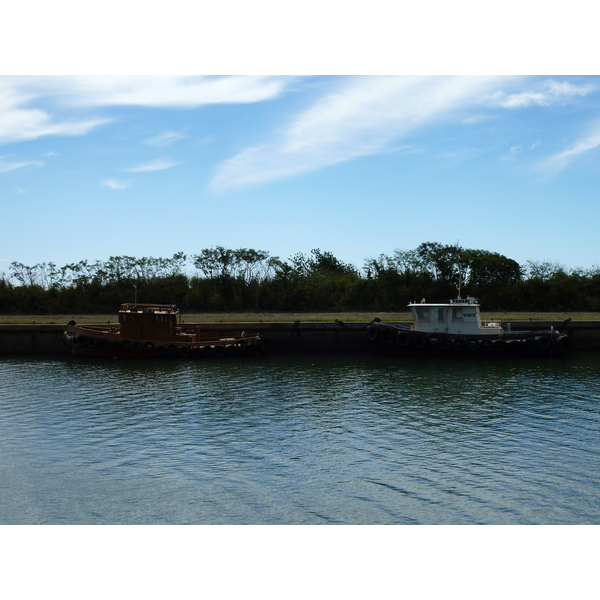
(331,337)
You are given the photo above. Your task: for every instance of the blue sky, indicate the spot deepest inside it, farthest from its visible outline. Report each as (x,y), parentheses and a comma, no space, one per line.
(94,166)
(357,165)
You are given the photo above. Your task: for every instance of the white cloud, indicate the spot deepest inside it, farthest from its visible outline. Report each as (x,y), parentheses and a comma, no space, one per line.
(363,116)
(165,139)
(157,91)
(512,153)
(473,120)
(155,165)
(544,93)
(367,115)
(19,123)
(113,184)
(13,166)
(589,141)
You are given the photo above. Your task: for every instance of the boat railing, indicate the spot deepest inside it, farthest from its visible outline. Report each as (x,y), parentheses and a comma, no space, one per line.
(139,307)
(492,323)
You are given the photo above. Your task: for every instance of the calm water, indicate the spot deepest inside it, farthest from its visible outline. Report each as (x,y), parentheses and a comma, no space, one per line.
(309,440)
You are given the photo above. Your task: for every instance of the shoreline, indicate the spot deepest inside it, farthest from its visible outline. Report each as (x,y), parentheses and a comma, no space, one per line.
(272,317)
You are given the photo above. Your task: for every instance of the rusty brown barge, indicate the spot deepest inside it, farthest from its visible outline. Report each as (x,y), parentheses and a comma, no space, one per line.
(155,331)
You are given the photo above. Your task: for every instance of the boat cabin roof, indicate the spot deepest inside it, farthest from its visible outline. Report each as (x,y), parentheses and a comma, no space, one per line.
(149,308)
(469,301)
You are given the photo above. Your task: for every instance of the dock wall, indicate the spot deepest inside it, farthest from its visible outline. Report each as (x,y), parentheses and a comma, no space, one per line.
(330,337)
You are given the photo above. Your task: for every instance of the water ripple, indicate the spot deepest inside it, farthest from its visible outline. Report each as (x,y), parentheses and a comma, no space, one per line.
(300,440)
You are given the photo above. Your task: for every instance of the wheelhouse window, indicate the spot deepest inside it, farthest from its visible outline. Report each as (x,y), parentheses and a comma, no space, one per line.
(457,313)
(441,314)
(423,314)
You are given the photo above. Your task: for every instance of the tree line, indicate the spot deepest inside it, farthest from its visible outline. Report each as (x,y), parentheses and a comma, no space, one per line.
(235,280)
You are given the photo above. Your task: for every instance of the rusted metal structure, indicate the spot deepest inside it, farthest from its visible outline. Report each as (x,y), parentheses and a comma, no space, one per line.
(154,330)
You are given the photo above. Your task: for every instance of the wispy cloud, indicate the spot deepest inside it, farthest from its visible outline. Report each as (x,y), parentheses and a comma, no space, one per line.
(366,115)
(475,119)
(155,165)
(165,139)
(363,116)
(544,93)
(516,151)
(113,184)
(21,120)
(14,165)
(512,153)
(20,123)
(589,141)
(157,91)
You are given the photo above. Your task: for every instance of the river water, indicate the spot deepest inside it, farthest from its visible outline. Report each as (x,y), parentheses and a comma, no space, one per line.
(300,440)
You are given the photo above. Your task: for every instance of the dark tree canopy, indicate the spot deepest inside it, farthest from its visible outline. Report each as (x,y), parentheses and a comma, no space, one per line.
(244,279)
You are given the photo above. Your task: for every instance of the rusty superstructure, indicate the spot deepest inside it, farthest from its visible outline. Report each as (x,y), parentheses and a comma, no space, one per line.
(155,330)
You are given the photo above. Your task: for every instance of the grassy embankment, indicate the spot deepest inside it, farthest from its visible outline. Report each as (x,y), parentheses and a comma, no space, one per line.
(291,317)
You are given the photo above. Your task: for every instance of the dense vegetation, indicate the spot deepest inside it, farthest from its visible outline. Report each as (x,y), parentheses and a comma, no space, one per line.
(226,280)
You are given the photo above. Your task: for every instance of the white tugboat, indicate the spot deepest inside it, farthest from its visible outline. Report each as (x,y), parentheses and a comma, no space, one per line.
(457,326)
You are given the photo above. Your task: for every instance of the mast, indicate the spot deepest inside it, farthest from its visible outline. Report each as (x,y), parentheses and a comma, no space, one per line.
(459,286)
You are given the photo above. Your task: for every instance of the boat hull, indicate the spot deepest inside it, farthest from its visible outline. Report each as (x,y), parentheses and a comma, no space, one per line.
(106,343)
(403,340)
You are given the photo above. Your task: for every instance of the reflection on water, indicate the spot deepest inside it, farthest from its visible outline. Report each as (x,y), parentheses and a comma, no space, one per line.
(307,440)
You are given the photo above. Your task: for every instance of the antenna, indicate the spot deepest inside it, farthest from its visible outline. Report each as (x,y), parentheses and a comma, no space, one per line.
(135,296)
(459,286)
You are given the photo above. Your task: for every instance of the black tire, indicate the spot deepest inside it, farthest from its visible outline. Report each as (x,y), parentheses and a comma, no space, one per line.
(530,344)
(420,342)
(543,342)
(403,339)
(513,345)
(445,344)
(387,336)
(372,332)
(473,345)
(563,344)
(80,341)
(485,345)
